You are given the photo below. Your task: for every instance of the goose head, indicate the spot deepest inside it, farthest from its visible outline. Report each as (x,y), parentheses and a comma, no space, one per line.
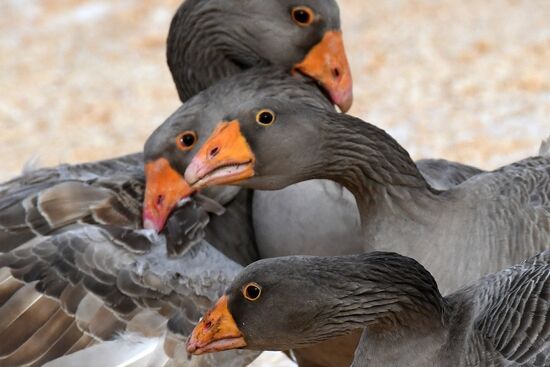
(212,39)
(266,144)
(230,110)
(273,304)
(296,301)
(170,148)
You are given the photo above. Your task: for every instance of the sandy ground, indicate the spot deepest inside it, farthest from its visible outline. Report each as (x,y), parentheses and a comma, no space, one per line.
(466,80)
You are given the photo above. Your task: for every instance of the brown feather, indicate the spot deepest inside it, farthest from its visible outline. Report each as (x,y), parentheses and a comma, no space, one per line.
(26,325)
(69,201)
(8,287)
(84,342)
(5,274)
(18,304)
(71,298)
(62,346)
(86,311)
(106,213)
(105,324)
(41,341)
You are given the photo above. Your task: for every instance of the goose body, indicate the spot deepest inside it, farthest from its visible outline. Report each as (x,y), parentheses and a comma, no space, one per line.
(333,220)
(499,320)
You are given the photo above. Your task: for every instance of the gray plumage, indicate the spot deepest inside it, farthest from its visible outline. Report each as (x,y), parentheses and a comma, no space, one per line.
(312,226)
(76,269)
(46,203)
(442,174)
(235,45)
(51,202)
(213,39)
(503,319)
(545,147)
(488,222)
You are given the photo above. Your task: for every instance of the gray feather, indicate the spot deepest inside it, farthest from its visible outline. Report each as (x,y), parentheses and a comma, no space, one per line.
(72,234)
(545,147)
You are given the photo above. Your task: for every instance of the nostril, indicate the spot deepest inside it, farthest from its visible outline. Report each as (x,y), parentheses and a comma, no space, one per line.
(208,325)
(160,200)
(336,73)
(214,152)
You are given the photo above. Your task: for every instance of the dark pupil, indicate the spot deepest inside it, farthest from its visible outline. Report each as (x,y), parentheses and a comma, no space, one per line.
(266,118)
(301,16)
(188,140)
(252,292)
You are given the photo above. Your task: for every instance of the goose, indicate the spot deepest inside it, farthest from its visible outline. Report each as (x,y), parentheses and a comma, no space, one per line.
(203,47)
(262,137)
(501,319)
(101,202)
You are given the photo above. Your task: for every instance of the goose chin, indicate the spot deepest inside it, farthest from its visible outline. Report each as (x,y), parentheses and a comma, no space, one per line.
(218,346)
(225,175)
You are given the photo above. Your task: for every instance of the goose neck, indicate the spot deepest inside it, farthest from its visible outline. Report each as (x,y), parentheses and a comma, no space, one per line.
(375,168)
(204,46)
(384,293)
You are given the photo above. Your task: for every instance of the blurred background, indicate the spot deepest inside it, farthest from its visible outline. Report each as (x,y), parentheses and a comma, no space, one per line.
(466,80)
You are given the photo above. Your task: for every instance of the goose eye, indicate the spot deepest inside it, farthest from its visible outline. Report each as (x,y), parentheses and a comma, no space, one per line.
(265,117)
(186,140)
(252,291)
(302,15)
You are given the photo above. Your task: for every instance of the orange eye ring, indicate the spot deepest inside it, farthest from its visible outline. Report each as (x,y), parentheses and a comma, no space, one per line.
(302,15)
(252,291)
(265,117)
(186,140)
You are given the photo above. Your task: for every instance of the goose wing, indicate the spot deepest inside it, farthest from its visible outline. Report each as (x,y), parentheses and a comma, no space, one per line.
(76,270)
(44,201)
(513,323)
(442,174)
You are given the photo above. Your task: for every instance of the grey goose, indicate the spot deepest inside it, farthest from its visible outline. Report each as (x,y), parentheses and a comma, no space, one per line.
(502,319)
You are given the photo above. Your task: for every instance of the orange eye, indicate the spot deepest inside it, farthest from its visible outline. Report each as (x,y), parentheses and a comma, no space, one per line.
(252,291)
(186,140)
(302,15)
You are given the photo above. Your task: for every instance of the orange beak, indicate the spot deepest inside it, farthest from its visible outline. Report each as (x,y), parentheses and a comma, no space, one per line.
(327,63)
(224,158)
(217,331)
(165,187)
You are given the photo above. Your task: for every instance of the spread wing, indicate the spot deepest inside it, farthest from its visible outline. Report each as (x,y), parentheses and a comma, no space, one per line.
(46,200)
(76,270)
